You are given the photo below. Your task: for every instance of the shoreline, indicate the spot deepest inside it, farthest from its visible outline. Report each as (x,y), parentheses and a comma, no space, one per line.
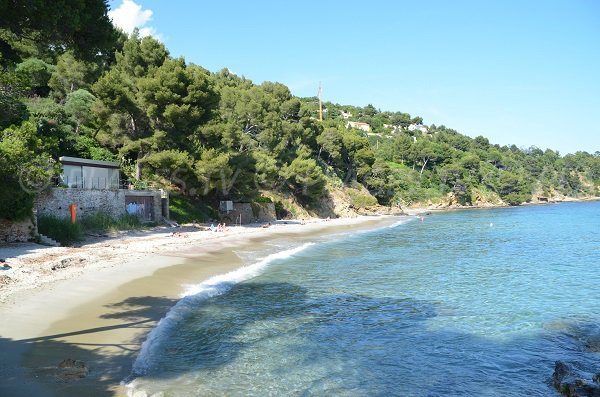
(423,207)
(101,312)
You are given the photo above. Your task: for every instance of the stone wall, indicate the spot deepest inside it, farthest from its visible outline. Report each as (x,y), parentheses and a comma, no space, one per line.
(250,213)
(17,231)
(55,202)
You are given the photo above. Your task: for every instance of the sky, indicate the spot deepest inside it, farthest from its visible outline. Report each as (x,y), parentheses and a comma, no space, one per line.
(517,72)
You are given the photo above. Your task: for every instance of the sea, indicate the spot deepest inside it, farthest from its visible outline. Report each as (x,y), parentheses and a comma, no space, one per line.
(459,303)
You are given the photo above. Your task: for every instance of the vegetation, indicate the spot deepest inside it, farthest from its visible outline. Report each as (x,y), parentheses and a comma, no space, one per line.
(67,233)
(189,210)
(102,222)
(60,229)
(70,87)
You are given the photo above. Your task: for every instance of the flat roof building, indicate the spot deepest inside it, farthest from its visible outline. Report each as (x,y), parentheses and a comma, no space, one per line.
(89,174)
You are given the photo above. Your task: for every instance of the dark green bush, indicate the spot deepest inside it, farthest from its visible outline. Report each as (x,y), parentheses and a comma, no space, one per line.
(185,209)
(262,199)
(280,211)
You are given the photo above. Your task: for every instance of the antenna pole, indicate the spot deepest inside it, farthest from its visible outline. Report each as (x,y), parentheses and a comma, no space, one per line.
(320,103)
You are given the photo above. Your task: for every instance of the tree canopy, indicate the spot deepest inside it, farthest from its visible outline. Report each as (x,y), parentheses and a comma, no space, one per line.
(70,84)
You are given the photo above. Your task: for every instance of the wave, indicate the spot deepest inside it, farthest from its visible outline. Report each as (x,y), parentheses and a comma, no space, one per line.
(214,286)
(401,222)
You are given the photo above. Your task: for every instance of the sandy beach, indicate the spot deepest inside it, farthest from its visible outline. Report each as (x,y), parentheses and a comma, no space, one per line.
(96,303)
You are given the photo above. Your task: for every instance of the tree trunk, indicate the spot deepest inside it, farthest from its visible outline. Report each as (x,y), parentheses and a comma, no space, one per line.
(138,166)
(423,167)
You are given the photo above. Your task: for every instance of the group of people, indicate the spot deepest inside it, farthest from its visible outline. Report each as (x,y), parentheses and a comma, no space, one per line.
(219,228)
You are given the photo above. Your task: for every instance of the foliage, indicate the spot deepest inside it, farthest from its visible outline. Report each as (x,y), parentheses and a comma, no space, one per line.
(101,222)
(72,87)
(25,169)
(280,211)
(83,26)
(66,233)
(359,199)
(305,178)
(60,229)
(262,199)
(184,209)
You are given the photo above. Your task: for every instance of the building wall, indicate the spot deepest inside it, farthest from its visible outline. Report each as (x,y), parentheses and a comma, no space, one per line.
(261,213)
(55,202)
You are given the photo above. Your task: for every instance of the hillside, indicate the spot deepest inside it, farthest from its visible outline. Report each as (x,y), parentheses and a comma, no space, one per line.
(207,136)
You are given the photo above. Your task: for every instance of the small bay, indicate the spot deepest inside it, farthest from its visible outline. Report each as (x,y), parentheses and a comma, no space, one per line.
(462,303)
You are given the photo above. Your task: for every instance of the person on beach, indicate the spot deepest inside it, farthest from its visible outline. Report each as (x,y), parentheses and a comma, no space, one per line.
(302,222)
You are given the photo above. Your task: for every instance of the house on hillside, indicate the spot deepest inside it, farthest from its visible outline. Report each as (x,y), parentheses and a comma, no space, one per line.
(345,115)
(96,186)
(395,128)
(419,127)
(358,125)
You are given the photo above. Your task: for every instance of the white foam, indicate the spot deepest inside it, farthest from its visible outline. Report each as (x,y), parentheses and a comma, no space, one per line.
(214,286)
(401,222)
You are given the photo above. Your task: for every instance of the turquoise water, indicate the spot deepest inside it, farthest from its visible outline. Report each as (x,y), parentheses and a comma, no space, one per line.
(466,303)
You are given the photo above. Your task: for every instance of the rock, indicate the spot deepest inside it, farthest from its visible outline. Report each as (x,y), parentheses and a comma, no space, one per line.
(561,371)
(62,264)
(596,378)
(70,369)
(565,382)
(67,262)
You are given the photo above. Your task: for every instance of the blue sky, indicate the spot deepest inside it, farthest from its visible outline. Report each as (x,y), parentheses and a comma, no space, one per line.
(523,72)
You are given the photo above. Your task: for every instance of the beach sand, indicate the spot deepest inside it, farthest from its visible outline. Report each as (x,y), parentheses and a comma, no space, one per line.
(100,309)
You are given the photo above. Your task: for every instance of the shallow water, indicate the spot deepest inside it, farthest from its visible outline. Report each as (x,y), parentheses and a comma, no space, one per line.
(465,303)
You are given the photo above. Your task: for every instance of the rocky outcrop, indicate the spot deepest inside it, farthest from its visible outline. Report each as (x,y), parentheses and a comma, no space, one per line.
(479,200)
(380,210)
(567,382)
(70,369)
(336,204)
(17,231)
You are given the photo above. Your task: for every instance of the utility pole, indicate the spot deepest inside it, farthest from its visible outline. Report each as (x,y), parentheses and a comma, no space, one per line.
(320,103)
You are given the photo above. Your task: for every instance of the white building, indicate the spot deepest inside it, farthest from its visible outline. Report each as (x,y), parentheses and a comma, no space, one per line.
(359,125)
(418,127)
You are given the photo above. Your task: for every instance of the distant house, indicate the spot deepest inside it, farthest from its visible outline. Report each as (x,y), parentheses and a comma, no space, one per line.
(345,115)
(395,128)
(358,125)
(418,127)
(89,174)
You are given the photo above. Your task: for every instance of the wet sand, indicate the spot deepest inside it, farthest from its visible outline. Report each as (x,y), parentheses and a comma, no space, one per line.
(102,317)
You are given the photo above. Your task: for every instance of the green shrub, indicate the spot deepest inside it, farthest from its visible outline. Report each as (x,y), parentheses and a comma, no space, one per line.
(262,199)
(185,209)
(15,202)
(280,211)
(359,199)
(130,222)
(104,222)
(98,222)
(60,229)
